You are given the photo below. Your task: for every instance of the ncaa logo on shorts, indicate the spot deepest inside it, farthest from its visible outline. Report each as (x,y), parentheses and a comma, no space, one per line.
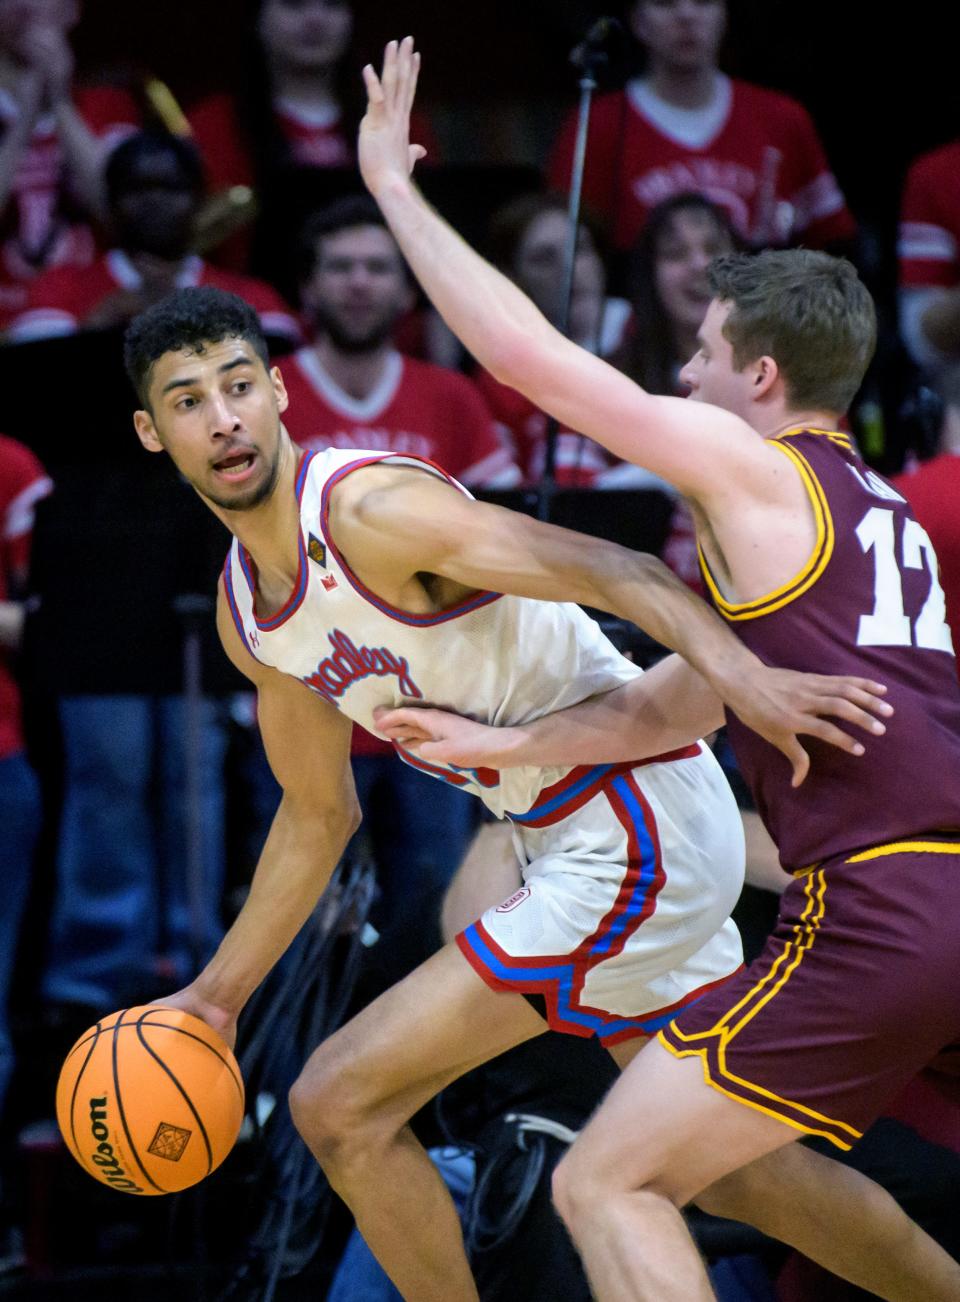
(517,898)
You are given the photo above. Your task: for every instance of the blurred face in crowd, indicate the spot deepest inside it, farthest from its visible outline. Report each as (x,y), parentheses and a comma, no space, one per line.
(358,288)
(711,373)
(305,34)
(155,209)
(216,410)
(20,20)
(686,247)
(538,270)
(682,35)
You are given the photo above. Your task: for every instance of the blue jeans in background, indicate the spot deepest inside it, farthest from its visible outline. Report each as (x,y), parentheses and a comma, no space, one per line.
(20,814)
(122,895)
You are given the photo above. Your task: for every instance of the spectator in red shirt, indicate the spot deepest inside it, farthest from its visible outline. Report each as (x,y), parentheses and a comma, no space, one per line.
(351,388)
(154,187)
(685,126)
(52,144)
(23,483)
(933,490)
(527,241)
(301,102)
(929,252)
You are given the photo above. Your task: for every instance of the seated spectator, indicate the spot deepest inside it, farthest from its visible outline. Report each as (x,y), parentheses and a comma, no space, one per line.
(527,242)
(23,483)
(933,490)
(351,388)
(670,292)
(929,253)
(52,143)
(154,188)
(685,126)
(301,102)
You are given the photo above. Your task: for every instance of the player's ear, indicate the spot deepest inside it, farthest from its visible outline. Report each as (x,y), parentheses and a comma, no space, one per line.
(147,431)
(279,388)
(766,373)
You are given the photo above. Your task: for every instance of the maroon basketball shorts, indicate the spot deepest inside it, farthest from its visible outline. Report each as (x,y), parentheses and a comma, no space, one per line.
(856,990)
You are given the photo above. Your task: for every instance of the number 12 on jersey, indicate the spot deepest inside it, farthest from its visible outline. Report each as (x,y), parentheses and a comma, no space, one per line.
(889,625)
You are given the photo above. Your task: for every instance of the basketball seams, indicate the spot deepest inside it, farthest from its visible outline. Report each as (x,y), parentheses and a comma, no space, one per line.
(76,1086)
(123,1116)
(165,1026)
(186,1097)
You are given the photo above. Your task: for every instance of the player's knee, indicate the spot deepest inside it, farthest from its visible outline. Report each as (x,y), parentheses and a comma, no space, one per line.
(572,1189)
(327,1112)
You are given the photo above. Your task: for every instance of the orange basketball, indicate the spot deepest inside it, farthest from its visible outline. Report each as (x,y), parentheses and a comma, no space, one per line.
(150,1100)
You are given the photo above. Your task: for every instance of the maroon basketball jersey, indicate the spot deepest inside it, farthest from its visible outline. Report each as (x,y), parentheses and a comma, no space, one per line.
(868,601)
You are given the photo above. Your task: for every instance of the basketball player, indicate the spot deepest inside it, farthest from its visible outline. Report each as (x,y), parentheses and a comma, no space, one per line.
(362,580)
(813,560)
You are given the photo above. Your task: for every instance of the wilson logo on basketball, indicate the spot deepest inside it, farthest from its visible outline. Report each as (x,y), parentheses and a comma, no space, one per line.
(104,1157)
(517,898)
(169,1142)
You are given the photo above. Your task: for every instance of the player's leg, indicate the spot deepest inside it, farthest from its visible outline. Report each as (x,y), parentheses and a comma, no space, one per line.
(661,1136)
(359,1089)
(840,1219)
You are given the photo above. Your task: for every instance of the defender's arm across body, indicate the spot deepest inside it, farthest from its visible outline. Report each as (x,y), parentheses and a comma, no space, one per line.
(308,745)
(405,523)
(709,454)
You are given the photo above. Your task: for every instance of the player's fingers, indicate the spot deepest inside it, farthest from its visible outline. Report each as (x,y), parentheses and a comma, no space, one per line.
(372,83)
(842,708)
(411,74)
(867,693)
(799,760)
(389,77)
(831,734)
(416,153)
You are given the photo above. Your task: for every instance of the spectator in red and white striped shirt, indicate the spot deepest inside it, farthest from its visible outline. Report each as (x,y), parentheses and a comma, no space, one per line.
(929,251)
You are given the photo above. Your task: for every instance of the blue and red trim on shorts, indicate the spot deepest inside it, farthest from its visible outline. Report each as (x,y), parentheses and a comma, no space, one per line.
(560,978)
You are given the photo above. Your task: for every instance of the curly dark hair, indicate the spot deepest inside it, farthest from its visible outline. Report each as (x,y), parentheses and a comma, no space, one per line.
(187,318)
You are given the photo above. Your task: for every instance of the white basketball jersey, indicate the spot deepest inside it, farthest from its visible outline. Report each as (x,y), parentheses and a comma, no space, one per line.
(500,659)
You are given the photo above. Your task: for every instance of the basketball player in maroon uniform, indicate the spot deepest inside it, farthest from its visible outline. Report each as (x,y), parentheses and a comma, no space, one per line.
(817,563)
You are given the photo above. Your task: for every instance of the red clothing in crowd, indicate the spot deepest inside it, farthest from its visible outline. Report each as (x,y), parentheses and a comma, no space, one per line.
(417,409)
(60,300)
(34,232)
(23,482)
(753,152)
(929,246)
(315,139)
(933,490)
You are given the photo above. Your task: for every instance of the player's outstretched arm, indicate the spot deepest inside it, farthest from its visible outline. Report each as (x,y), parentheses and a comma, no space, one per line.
(668,708)
(422,525)
(703,450)
(308,745)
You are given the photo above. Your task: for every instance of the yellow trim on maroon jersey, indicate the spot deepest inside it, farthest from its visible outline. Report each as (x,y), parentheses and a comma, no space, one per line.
(756,998)
(834,435)
(811,571)
(905,847)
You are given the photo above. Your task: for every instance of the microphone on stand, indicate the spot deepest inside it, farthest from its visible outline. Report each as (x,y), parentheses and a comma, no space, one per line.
(590,51)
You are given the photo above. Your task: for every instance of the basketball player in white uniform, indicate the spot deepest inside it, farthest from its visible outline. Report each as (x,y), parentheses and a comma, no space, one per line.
(355,582)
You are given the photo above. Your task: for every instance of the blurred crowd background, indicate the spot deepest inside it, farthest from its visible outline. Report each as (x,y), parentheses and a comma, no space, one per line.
(147,147)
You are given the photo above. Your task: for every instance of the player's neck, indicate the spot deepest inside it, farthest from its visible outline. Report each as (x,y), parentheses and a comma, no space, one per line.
(357,374)
(687,88)
(784,418)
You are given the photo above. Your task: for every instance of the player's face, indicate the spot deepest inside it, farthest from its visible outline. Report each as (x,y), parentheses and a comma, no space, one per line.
(305,34)
(217,413)
(711,375)
(358,288)
(680,34)
(539,263)
(685,250)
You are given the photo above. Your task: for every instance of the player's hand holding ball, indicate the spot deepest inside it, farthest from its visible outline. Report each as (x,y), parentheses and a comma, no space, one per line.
(150,1100)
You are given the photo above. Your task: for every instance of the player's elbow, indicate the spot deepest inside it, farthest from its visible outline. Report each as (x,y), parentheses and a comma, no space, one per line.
(524,360)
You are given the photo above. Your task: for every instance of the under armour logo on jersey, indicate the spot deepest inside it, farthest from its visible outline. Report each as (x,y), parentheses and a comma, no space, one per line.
(329,582)
(316,550)
(253,639)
